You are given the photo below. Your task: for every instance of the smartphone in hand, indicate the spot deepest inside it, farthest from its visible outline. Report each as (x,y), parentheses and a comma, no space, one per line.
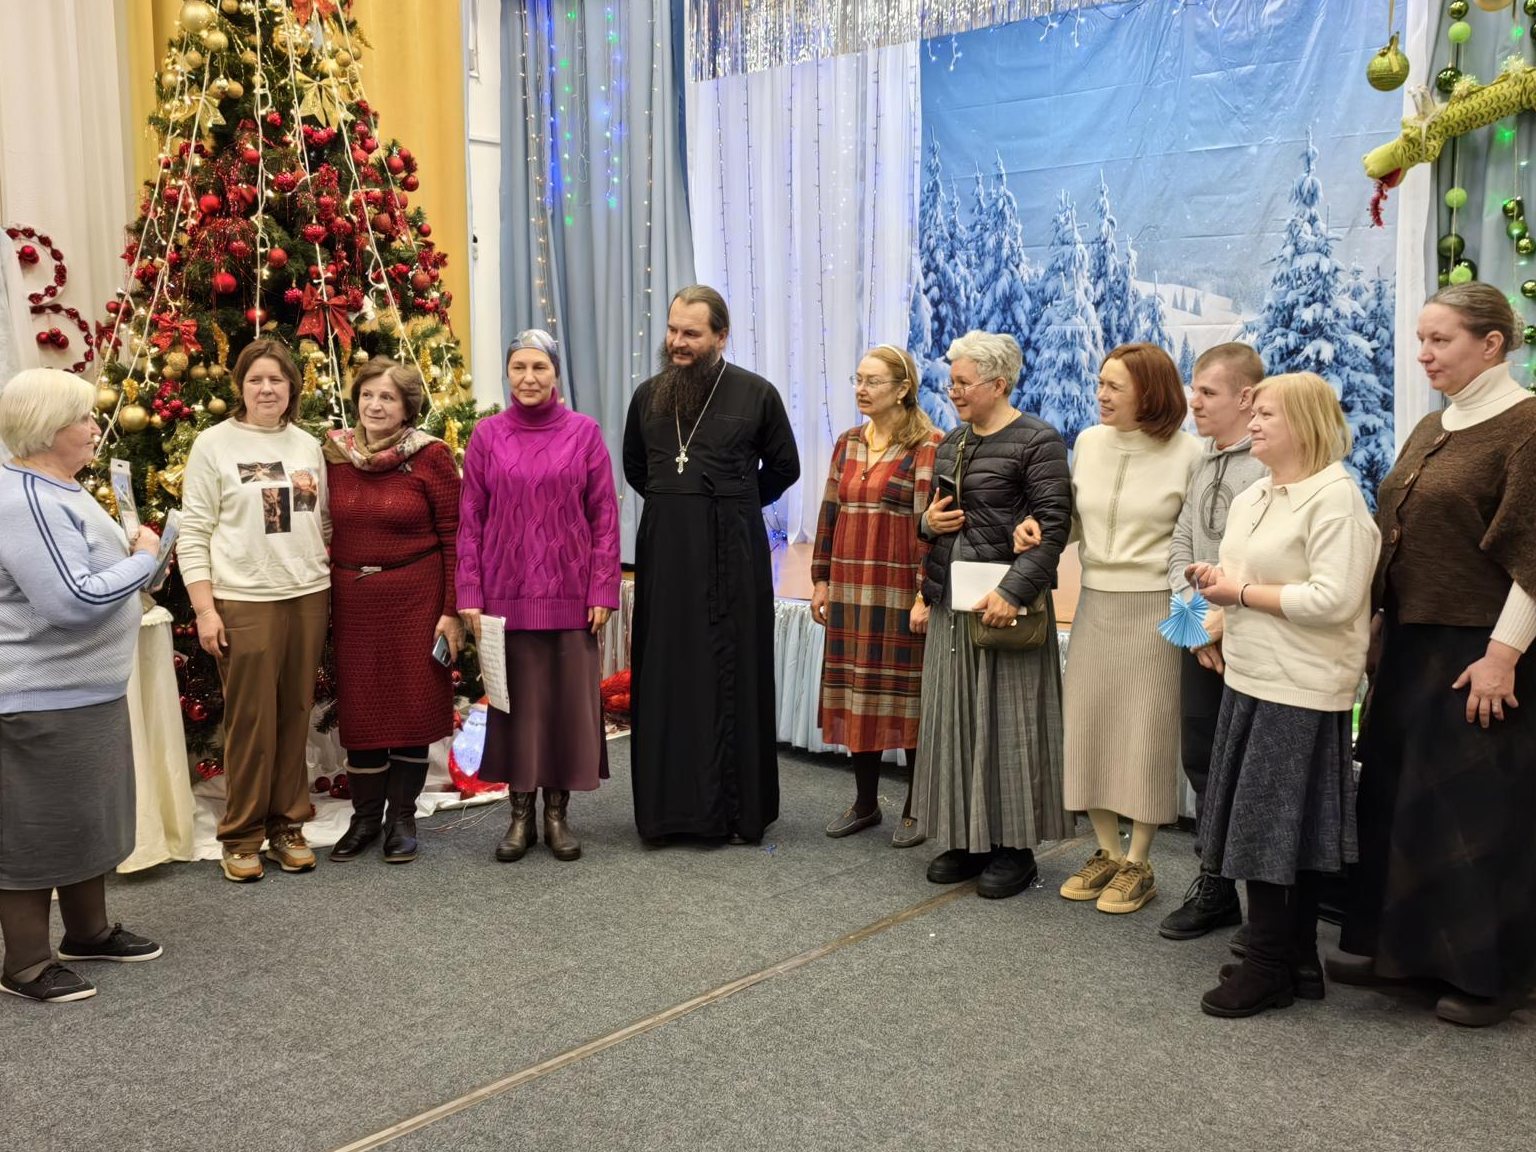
(440,652)
(944,485)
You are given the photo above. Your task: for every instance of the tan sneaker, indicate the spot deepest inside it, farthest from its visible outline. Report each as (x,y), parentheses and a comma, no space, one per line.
(1131,888)
(1089,880)
(288,850)
(241,867)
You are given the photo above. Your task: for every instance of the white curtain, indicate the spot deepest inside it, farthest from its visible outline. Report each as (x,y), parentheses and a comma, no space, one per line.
(65,156)
(803,194)
(1413,399)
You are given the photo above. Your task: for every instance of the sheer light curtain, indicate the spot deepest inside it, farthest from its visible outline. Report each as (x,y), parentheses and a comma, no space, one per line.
(803,185)
(595,233)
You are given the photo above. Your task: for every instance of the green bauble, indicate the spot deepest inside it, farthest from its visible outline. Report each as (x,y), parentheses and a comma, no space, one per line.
(1530,7)
(1444,279)
(1458,9)
(1388,69)
(1526,245)
(1457,197)
(1451,246)
(1463,273)
(1447,78)
(1516,229)
(1530,333)
(1528,289)
(1459,32)
(1514,207)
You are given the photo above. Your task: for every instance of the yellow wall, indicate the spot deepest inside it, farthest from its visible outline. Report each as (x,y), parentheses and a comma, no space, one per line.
(413,76)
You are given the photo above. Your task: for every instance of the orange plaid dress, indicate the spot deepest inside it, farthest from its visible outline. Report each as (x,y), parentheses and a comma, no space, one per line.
(871,556)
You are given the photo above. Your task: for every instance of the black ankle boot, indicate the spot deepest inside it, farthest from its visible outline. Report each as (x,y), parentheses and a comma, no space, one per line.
(406,778)
(1264,979)
(368,792)
(1210,903)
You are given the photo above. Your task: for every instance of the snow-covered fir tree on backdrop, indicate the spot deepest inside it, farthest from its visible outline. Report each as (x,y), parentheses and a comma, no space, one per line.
(940,280)
(1068,347)
(1186,361)
(1312,322)
(1115,298)
(1003,303)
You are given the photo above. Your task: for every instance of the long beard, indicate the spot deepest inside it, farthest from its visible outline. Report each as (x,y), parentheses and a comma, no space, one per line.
(682,389)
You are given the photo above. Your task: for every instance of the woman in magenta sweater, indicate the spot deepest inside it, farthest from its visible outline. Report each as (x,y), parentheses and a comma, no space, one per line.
(539,547)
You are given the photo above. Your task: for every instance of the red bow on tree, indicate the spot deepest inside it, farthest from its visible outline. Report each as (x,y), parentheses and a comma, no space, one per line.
(321,310)
(172,329)
(303,8)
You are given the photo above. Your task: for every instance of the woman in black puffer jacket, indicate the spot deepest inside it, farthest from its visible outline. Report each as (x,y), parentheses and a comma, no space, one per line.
(988,780)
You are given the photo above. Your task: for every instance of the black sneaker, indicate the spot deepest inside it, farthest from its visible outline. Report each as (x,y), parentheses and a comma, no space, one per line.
(121,946)
(1009,872)
(1210,903)
(956,865)
(55,984)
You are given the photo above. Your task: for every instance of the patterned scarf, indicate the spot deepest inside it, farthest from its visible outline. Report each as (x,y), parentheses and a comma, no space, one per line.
(350,446)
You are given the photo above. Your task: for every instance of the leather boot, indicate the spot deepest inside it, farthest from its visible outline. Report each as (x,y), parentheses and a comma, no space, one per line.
(368,792)
(522,834)
(557,833)
(1264,978)
(406,779)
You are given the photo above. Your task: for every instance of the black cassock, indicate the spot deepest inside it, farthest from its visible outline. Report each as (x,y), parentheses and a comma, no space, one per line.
(703,756)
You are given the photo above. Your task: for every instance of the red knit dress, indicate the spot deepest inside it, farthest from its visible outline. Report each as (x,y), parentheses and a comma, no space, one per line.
(390,692)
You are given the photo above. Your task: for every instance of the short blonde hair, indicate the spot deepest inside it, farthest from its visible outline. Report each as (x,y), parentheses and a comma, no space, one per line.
(996,355)
(38,404)
(1312,411)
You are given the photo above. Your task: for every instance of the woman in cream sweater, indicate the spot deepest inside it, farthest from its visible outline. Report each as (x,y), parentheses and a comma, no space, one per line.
(1121,698)
(1295,581)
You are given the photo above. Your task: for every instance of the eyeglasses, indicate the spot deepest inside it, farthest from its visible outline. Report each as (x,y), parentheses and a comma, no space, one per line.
(956,387)
(870,381)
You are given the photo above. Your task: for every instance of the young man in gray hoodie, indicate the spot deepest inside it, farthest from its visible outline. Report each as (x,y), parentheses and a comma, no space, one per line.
(1221,400)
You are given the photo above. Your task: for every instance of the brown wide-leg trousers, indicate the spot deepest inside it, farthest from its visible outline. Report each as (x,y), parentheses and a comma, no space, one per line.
(269,689)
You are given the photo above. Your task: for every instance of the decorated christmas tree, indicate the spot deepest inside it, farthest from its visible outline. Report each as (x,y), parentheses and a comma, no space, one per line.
(277,209)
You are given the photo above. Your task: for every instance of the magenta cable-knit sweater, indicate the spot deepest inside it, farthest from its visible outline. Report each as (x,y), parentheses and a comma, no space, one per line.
(538,519)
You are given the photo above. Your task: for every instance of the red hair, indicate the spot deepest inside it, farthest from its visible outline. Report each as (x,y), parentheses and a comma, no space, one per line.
(1160,403)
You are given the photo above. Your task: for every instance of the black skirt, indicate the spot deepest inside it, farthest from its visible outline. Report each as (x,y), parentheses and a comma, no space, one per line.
(1446,886)
(1281,794)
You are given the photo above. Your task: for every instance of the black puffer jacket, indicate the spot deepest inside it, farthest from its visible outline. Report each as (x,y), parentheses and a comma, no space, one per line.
(1017,471)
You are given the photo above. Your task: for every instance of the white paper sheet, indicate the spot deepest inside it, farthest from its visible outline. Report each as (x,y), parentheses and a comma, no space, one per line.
(492,648)
(971,580)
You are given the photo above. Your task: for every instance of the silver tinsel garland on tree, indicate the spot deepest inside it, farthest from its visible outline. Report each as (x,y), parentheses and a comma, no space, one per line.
(727,37)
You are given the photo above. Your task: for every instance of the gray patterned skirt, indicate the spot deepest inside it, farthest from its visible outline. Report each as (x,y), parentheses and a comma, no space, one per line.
(989,748)
(1281,797)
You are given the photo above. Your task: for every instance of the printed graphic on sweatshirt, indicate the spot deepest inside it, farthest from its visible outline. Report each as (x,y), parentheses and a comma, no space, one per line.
(306,490)
(261,473)
(276,515)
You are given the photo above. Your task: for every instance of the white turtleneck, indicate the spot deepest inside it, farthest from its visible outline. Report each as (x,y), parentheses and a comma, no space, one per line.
(1491,394)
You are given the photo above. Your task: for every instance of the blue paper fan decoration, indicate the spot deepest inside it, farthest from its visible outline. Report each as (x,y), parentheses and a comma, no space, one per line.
(1185,626)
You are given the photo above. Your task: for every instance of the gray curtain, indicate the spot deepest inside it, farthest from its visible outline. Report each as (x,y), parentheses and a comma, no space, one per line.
(1493,164)
(594,195)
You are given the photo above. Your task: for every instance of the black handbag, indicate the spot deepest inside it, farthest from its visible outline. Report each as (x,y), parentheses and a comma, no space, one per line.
(1031,627)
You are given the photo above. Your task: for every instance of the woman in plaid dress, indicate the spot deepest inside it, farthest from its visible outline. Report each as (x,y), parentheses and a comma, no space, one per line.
(867,571)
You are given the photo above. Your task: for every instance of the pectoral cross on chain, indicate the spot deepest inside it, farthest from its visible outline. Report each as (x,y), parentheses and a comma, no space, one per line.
(682,460)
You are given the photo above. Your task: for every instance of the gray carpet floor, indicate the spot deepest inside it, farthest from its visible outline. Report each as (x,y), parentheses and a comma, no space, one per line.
(308,1011)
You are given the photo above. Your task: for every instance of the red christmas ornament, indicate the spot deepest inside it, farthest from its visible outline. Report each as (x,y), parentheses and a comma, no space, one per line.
(424,230)
(395,164)
(199,712)
(42,339)
(208,204)
(358,155)
(341,226)
(275,119)
(239,249)
(370,144)
(171,194)
(405,154)
(313,232)
(256,316)
(277,258)
(421,281)
(27,254)
(410,183)
(326,206)
(321,784)
(285,182)
(293,297)
(224,283)
(383,222)
(250,155)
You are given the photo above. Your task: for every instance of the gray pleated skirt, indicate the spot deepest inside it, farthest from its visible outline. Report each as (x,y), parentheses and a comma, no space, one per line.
(1281,797)
(1122,708)
(989,748)
(66,795)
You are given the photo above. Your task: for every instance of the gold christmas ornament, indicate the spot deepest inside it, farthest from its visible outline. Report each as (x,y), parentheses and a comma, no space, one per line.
(217,407)
(196,15)
(199,372)
(170,479)
(221,87)
(344,58)
(360,356)
(106,498)
(235,90)
(106,399)
(1388,69)
(248,58)
(175,362)
(214,40)
(194,59)
(230,7)
(133,418)
(157,421)
(131,389)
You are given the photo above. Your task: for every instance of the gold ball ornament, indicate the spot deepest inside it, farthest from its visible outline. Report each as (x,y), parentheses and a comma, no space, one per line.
(360,356)
(106,399)
(214,40)
(199,372)
(329,67)
(175,362)
(235,90)
(197,15)
(344,58)
(194,59)
(133,418)
(230,7)
(248,58)
(105,498)
(157,421)
(217,406)
(220,87)
(1388,69)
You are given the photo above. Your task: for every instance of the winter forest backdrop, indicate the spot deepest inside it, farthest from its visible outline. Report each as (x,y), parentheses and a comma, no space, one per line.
(1132,178)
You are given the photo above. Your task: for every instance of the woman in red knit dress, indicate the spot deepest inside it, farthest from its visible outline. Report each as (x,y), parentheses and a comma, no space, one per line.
(394,498)
(868,575)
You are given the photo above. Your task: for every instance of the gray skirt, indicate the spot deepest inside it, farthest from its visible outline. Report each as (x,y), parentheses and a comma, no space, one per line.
(989,748)
(66,795)
(1122,708)
(1281,797)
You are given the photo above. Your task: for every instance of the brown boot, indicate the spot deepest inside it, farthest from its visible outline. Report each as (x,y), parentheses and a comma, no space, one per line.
(557,833)
(522,834)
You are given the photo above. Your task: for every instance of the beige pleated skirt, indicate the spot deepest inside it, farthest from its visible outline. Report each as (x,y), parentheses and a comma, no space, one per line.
(1121,708)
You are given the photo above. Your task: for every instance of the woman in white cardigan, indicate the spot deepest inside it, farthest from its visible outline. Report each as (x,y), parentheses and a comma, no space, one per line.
(1295,581)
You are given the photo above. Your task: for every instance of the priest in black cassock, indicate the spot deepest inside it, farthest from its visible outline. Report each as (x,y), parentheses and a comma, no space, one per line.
(707,444)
